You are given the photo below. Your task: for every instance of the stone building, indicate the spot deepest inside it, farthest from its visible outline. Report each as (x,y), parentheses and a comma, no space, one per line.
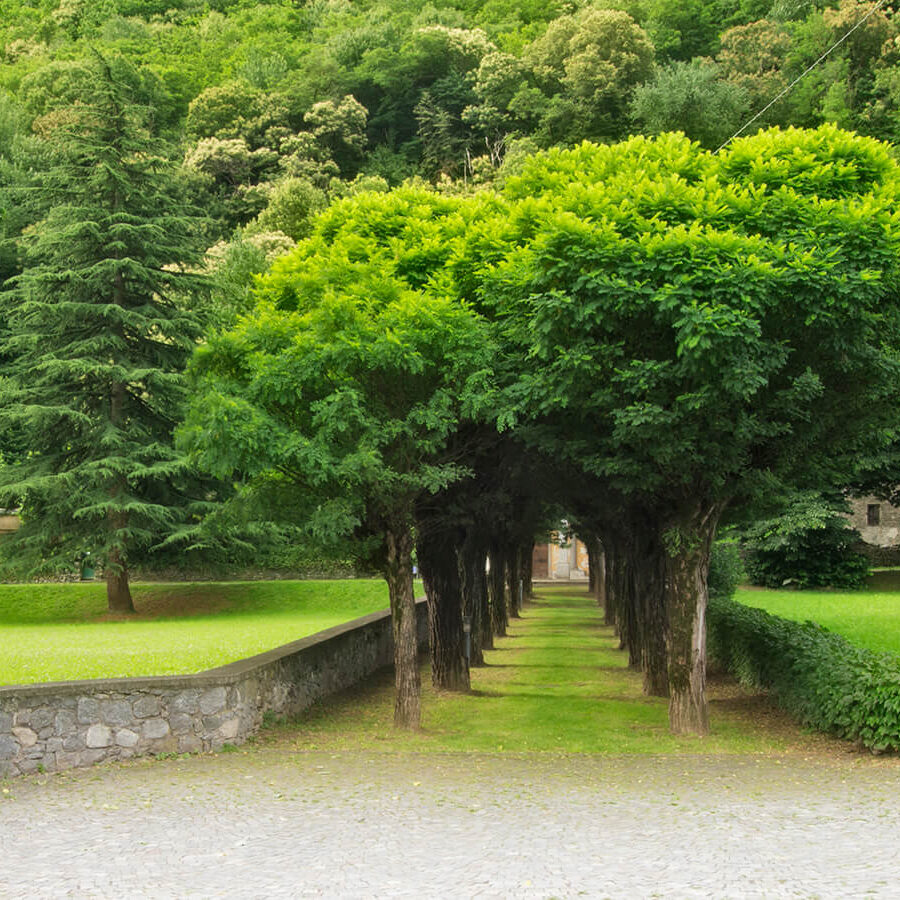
(879,524)
(559,560)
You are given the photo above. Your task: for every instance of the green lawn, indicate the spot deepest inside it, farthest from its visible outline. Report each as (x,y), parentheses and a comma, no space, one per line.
(868,618)
(60,632)
(557,684)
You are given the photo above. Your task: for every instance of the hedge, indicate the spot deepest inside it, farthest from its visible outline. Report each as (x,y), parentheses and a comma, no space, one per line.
(819,677)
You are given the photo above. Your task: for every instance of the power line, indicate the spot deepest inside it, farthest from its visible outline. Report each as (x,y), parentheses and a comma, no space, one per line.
(802,75)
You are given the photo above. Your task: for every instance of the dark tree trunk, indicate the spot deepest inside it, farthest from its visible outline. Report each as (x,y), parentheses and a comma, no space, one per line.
(622,592)
(629,610)
(439,567)
(497,583)
(650,580)
(399,577)
(611,582)
(513,574)
(475,603)
(688,540)
(600,578)
(592,565)
(118,592)
(527,559)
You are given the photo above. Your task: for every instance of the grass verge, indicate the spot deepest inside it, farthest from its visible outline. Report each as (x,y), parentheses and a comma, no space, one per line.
(61,632)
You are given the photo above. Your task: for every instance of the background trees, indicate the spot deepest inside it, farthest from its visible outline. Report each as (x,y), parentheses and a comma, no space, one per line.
(98,334)
(398,89)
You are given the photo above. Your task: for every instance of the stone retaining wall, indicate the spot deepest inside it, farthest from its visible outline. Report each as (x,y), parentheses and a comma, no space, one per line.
(50,727)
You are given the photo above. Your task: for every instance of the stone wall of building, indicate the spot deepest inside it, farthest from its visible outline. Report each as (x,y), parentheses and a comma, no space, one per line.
(878,522)
(51,727)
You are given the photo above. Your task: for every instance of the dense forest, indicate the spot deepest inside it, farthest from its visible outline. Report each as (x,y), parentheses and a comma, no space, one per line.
(276,108)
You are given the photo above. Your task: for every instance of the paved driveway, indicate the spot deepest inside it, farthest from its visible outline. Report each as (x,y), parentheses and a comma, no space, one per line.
(262,824)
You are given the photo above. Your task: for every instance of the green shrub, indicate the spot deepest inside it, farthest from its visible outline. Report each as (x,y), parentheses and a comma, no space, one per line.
(817,676)
(809,545)
(726,569)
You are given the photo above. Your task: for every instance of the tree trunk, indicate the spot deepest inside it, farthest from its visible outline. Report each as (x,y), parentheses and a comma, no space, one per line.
(475,603)
(497,582)
(513,574)
(611,605)
(399,577)
(650,572)
(527,560)
(118,592)
(623,591)
(439,567)
(688,540)
(600,578)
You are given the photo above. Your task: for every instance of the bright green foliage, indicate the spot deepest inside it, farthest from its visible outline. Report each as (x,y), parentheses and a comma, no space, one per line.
(810,544)
(817,676)
(586,65)
(353,371)
(97,339)
(693,317)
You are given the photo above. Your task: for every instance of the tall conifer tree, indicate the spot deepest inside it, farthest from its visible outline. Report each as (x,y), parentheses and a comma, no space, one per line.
(97,337)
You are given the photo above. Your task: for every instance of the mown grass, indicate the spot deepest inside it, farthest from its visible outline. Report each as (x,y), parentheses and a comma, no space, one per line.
(558,683)
(61,632)
(868,618)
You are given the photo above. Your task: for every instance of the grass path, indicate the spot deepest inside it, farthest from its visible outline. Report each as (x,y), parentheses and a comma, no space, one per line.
(557,683)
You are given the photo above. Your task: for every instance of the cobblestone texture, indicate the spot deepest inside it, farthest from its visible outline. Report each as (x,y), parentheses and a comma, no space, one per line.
(359,825)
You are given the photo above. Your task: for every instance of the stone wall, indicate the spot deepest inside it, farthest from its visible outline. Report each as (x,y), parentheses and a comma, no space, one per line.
(51,727)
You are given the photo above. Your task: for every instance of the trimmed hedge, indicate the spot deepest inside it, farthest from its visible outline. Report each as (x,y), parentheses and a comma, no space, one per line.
(819,677)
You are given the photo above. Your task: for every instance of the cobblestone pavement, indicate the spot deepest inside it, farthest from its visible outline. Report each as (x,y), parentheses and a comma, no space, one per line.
(359,825)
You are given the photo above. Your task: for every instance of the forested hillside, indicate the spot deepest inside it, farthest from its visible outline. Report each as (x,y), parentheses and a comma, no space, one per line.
(277,107)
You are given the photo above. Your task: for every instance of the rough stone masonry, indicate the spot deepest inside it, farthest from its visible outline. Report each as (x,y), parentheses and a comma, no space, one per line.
(51,727)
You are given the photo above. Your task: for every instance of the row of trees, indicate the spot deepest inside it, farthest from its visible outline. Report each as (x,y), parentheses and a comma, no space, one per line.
(644,334)
(667,331)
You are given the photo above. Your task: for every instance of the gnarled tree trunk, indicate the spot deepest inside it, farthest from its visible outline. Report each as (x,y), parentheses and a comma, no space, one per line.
(688,539)
(399,577)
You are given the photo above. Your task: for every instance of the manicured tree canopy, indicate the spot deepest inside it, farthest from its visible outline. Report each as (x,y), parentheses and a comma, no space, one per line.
(96,339)
(692,322)
(345,384)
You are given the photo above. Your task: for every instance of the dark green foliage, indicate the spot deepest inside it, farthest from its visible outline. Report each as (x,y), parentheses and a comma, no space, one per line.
(726,569)
(819,677)
(98,335)
(809,545)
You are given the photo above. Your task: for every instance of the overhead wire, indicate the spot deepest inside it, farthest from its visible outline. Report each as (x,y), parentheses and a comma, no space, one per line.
(802,75)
